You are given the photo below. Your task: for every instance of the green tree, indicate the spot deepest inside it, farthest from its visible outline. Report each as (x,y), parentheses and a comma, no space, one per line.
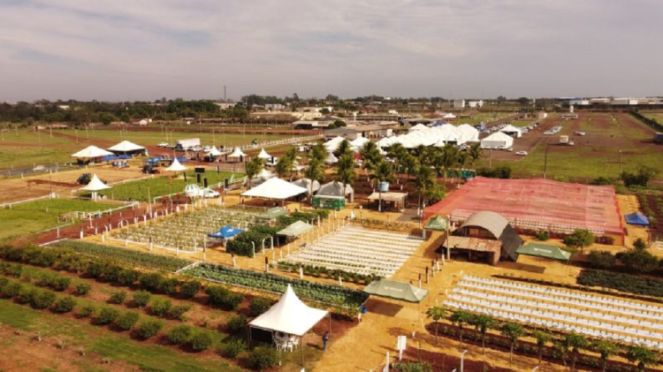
(579,239)
(315,172)
(512,332)
(345,170)
(482,323)
(318,152)
(449,158)
(370,155)
(382,173)
(541,339)
(576,342)
(252,168)
(474,152)
(436,313)
(460,318)
(641,357)
(343,148)
(605,349)
(424,181)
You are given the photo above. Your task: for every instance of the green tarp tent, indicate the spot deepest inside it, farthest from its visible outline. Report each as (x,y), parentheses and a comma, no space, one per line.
(544,250)
(296,229)
(397,290)
(437,223)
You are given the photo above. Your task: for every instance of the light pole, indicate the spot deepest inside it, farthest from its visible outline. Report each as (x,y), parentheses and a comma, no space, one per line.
(462,360)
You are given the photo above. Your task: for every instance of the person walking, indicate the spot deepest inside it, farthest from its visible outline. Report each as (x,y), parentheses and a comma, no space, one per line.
(325,340)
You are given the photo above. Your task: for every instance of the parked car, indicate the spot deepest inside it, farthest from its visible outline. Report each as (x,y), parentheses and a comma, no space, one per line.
(521,153)
(194,191)
(163,144)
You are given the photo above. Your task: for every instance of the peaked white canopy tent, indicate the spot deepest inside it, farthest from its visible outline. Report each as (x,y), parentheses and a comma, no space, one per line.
(214,152)
(497,140)
(289,316)
(261,177)
(308,184)
(95,185)
(331,159)
(91,152)
(264,155)
(237,153)
(513,131)
(126,147)
(275,188)
(332,144)
(176,166)
(358,143)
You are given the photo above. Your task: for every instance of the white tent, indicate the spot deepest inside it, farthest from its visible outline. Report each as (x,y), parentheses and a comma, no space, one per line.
(261,177)
(237,152)
(358,143)
(512,131)
(497,140)
(448,116)
(289,315)
(418,127)
(331,159)
(91,152)
(306,183)
(126,146)
(95,185)
(468,133)
(176,166)
(332,144)
(275,188)
(264,155)
(214,152)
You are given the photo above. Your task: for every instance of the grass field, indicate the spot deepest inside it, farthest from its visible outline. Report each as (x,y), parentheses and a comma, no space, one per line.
(613,143)
(163,185)
(104,342)
(27,148)
(658,116)
(485,117)
(32,217)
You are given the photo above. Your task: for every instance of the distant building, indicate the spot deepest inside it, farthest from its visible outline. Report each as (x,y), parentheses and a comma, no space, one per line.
(458,103)
(275,107)
(64,107)
(225,105)
(475,104)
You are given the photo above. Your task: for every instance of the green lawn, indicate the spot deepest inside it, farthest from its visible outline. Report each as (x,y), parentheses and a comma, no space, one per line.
(32,217)
(658,116)
(112,345)
(161,185)
(485,117)
(27,148)
(600,157)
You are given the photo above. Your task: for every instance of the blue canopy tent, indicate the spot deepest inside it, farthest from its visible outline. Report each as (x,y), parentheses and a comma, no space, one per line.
(226,232)
(637,218)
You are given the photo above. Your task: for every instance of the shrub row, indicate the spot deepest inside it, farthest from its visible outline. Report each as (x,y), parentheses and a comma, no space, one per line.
(320,271)
(35,297)
(622,282)
(185,335)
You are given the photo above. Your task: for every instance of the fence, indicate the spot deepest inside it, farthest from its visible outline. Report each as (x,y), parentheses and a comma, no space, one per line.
(287,141)
(24,172)
(11,204)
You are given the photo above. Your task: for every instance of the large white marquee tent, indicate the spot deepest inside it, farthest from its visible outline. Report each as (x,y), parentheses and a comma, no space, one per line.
(497,140)
(433,136)
(91,152)
(275,188)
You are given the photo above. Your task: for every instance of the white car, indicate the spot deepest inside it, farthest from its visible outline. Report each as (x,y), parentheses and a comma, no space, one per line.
(163,144)
(194,191)
(521,153)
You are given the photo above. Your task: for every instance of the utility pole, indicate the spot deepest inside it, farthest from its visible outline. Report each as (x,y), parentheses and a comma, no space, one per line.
(545,161)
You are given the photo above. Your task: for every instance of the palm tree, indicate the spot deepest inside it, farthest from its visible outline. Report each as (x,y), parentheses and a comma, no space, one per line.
(513,332)
(562,348)
(541,339)
(252,168)
(576,342)
(460,317)
(424,181)
(345,170)
(319,152)
(436,313)
(474,151)
(449,158)
(314,172)
(397,153)
(606,349)
(482,323)
(284,167)
(343,148)
(641,357)
(382,173)
(370,154)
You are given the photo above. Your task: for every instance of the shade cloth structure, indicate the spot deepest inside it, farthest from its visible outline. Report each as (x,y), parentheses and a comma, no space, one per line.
(125,147)
(275,188)
(437,223)
(264,155)
(396,290)
(497,140)
(296,229)
(544,250)
(332,144)
(637,219)
(331,159)
(226,232)
(91,152)
(335,189)
(358,143)
(289,315)
(176,166)
(261,177)
(418,127)
(214,152)
(397,198)
(237,153)
(308,184)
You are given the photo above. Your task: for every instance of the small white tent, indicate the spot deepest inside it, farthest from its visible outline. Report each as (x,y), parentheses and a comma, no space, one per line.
(237,153)
(308,185)
(289,315)
(95,185)
(331,159)
(497,140)
(332,144)
(275,188)
(214,152)
(358,143)
(264,155)
(176,166)
(91,152)
(512,131)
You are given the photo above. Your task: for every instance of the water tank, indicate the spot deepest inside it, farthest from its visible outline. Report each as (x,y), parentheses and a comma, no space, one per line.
(383,186)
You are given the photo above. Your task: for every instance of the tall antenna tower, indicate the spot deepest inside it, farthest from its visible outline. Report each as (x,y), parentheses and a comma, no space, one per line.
(225,97)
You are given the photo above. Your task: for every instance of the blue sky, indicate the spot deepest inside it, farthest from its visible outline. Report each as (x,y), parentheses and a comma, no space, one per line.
(126,50)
